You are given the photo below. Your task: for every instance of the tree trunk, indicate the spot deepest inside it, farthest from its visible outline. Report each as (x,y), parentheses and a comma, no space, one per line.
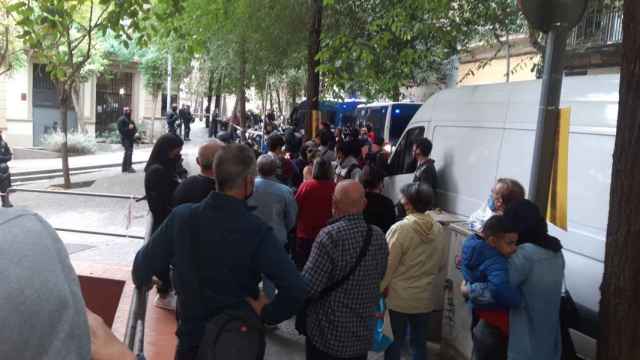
(619,311)
(270,94)
(242,94)
(210,93)
(397,94)
(218,95)
(279,100)
(153,118)
(264,99)
(313,76)
(64,117)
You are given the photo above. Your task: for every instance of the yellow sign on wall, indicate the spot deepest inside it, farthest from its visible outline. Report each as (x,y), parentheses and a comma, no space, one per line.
(557,210)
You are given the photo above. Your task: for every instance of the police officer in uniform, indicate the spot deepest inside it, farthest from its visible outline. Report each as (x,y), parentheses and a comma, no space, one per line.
(172,118)
(5,175)
(187,119)
(127,129)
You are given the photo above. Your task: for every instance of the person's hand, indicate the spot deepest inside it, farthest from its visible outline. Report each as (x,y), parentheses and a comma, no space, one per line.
(104,345)
(464,289)
(130,126)
(258,304)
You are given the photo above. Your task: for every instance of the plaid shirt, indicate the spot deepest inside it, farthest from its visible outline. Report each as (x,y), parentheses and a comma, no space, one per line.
(342,324)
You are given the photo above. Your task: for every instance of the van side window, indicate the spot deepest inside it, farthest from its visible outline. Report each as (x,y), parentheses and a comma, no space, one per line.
(402,161)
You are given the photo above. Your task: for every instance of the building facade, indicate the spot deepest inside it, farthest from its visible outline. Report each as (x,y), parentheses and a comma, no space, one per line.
(29,105)
(593,47)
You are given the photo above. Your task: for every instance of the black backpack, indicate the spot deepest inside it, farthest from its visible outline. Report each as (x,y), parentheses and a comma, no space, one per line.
(236,333)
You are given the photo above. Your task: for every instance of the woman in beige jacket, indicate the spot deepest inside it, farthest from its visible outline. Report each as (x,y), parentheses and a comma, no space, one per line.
(415,257)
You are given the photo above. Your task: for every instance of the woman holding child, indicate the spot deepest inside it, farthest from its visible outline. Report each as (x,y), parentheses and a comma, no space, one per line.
(537,270)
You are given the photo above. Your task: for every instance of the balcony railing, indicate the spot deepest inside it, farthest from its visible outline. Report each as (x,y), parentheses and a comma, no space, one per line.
(599,28)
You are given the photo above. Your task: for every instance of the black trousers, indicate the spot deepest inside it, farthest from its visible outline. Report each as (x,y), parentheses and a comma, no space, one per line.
(313,353)
(172,128)
(488,343)
(187,130)
(127,161)
(188,354)
(214,125)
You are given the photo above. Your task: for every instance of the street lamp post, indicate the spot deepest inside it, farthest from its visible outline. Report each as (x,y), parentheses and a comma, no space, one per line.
(555,18)
(169,74)
(549,111)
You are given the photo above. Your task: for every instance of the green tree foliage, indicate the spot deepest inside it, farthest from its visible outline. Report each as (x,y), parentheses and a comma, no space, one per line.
(242,42)
(11,52)
(63,35)
(377,47)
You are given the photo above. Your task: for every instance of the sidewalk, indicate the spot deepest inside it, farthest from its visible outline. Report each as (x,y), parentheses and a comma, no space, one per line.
(100,160)
(19,167)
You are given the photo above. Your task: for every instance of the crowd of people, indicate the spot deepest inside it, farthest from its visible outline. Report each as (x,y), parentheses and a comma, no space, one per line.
(304,230)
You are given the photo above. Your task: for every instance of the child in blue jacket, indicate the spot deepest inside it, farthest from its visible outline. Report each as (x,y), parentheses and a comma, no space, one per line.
(484,264)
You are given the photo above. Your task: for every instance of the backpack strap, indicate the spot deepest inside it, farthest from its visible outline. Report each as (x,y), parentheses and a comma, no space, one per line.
(361,255)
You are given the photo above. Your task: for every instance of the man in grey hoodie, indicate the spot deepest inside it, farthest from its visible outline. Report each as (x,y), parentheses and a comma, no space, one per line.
(43,314)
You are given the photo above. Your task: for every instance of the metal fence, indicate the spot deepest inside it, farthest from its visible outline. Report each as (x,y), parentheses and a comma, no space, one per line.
(599,28)
(134,334)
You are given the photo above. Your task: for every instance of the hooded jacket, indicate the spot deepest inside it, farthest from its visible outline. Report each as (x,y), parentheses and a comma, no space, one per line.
(43,313)
(416,256)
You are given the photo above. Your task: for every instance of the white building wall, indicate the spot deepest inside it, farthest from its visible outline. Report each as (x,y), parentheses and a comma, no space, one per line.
(15,106)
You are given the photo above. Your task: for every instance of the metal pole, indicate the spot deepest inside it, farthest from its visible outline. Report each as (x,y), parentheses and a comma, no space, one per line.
(508,58)
(169,74)
(544,149)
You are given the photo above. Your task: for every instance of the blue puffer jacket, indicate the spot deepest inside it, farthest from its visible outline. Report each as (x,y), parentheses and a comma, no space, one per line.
(483,265)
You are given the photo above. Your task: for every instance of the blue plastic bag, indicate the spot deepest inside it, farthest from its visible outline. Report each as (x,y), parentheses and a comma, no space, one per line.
(380,341)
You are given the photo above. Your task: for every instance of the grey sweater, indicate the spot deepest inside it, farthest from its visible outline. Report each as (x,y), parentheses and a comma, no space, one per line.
(43,313)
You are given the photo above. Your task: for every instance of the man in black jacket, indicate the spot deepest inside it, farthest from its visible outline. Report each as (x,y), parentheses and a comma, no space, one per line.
(426,170)
(219,249)
(172,119)
(5,175)
(127,129)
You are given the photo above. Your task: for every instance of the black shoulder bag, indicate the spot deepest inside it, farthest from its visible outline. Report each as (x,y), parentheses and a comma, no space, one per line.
(301,318)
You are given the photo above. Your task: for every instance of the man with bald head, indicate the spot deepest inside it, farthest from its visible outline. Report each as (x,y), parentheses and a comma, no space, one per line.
(349,257)
(196,188)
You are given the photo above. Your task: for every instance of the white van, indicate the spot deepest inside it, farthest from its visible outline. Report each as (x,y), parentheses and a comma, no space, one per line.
(481,133)
(387,119)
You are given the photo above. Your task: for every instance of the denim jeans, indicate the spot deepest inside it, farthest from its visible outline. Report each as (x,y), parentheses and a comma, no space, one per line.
(418,324)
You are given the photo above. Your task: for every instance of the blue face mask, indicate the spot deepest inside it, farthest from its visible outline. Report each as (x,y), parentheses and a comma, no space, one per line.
(491,204)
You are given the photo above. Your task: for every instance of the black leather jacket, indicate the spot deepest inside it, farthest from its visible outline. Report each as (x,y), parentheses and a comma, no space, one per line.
(124,130)
(5,152)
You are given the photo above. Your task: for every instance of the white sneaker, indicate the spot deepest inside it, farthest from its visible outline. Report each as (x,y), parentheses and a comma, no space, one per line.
(168,302)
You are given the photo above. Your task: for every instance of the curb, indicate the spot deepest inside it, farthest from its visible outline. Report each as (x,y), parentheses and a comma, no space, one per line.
(46,174)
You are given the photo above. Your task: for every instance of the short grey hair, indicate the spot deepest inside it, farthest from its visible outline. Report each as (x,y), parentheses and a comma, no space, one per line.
(268,165)
(232,165)
(419,195)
